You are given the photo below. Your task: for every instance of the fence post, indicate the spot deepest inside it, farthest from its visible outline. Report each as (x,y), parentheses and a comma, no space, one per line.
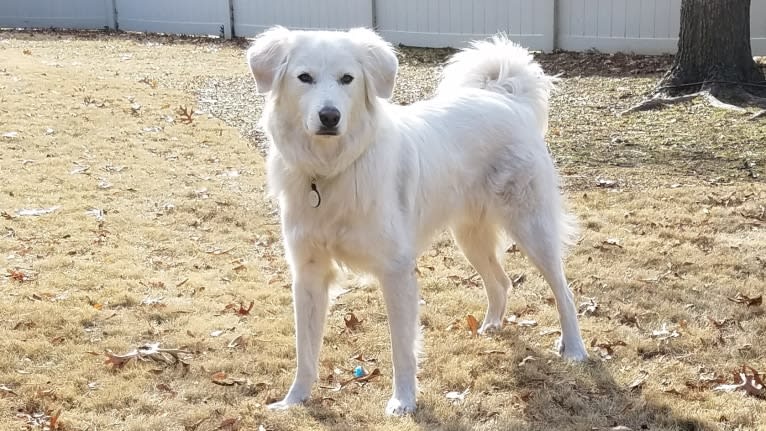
(228,25)
(111,14)
(549,37)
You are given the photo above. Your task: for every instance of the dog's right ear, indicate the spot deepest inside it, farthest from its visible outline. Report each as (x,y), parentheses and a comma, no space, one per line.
(267,57)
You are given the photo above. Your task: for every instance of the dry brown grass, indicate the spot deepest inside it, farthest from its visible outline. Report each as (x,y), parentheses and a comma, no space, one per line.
(187,231)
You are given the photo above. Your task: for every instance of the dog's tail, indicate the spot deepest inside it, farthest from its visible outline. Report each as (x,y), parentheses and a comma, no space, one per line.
(502,66)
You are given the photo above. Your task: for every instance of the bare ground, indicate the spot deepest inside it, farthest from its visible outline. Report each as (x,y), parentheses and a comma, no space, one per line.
(671,205)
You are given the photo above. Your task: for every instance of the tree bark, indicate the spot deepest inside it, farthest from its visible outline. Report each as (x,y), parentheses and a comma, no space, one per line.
(713,51)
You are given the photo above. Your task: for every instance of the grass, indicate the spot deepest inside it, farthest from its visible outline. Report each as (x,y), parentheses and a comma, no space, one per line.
(671,205)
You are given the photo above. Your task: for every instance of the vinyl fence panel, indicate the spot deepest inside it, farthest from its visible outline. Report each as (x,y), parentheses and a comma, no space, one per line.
(758,26)
(200,17)
(254,16)
(81,14)
(645,26)
(454,23)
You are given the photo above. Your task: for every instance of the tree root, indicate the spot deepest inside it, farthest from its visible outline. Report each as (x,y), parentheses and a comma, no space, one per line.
(713,94)
(659,100)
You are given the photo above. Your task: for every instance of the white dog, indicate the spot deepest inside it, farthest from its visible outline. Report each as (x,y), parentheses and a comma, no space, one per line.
(367,184)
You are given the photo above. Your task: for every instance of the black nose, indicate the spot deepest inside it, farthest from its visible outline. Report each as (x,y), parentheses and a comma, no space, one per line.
(329,116)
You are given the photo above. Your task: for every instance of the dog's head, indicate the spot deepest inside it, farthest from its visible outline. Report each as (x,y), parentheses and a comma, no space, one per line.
(328,77)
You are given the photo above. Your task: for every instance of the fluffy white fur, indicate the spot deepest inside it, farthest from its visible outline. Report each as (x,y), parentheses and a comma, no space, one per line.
(472,159)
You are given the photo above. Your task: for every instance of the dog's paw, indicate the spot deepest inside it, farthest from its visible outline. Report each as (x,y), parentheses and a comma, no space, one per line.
(574,351)
(285,404)
(397,407)
(490,327)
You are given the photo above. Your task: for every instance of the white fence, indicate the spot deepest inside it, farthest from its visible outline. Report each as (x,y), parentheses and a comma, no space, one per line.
(641,26)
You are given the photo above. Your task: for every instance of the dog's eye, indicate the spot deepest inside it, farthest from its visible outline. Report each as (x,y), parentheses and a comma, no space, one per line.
(346,79)
(305,77)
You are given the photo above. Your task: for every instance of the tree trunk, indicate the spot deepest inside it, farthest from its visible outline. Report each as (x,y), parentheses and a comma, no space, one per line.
(714,51)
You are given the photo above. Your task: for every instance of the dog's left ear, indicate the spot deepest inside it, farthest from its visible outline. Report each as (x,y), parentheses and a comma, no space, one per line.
(268,56)
(379,61)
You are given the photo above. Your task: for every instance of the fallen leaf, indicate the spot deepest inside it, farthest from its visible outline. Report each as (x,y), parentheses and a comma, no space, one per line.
(491,352)
(456,396)
(231,424)
(606,349)
(606,183)
(352,322)
(53,422)
(750,381)
(239,340)
(514,320)
(473,324)
(588,308)
(663,334)
(146,352)
(162,387)
(79,169)
(185,114)
(97,213)
(216,333)
(639,381)
(362,358)
(242,311)
(5,390)
(744,299)
(719,324)
(35,212)
(20,276)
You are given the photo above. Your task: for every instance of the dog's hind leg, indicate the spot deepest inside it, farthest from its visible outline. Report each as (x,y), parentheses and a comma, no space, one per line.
(311,280)
(536,231)
(479,243)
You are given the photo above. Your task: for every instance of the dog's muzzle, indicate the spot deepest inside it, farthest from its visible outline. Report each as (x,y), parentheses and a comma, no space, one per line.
(329,117)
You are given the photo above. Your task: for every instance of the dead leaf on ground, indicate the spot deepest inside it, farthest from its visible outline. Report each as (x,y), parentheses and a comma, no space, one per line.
(663,334)
(720,324)
(5,391)
(147,352)
(222,379)
(19,275)
(589,308)
(741,298)
(606,183)
(639,381)
(491,352)
(605,349)
(162,387)
(473,325)
(239,309)
(524,323)
(362,358)
(456,396)
(352,322)
(239,340)
(185,114)
(231,424)
(748,380)
(609,243)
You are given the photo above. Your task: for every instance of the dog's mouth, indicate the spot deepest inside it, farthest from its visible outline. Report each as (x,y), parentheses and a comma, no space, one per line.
(326,131)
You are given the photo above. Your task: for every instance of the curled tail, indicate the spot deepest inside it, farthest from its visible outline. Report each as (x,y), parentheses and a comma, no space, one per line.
(502,66)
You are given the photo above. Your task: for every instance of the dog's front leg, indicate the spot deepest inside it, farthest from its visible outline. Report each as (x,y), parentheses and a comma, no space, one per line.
(400,292)
(311,280)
